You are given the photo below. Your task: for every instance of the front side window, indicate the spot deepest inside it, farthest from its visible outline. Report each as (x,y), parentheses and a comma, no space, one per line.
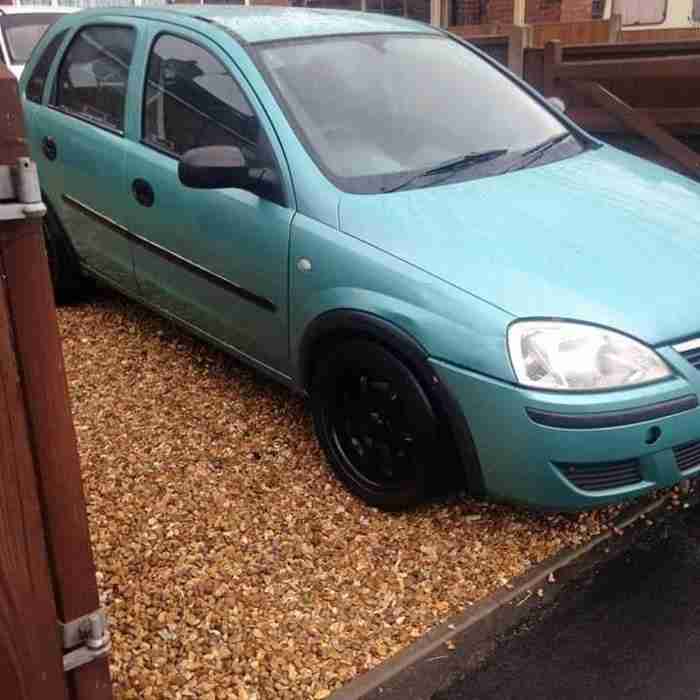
(191,101)
(696,10)
(94,73)
(643,11)
(35,84)
(373,110)
(23,31)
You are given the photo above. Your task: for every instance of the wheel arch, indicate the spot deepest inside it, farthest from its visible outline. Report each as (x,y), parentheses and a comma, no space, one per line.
(332,327)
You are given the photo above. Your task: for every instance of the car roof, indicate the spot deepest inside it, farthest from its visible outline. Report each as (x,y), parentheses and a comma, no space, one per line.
(269,23)
(35,9)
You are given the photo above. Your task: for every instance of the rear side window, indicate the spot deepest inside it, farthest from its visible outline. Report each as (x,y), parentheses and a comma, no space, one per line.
(35,84)
(94,73)
(191,100)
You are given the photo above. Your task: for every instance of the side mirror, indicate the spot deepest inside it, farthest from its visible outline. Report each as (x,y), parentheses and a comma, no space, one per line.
(213,167)
(557,103)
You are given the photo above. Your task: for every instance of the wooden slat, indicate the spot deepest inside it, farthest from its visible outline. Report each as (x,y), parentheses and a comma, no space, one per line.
(660,35)
(31,665)
(598,120)
(633,68)
(37,342)
(591,32)
(640,123)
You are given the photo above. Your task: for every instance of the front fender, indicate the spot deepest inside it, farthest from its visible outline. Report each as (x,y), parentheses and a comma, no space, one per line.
(348,274)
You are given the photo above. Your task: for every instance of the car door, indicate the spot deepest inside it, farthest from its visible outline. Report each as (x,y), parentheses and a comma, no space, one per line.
(80,139)
(216,259)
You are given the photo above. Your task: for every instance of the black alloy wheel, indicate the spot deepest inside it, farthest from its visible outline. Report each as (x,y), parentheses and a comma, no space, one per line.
(375,424)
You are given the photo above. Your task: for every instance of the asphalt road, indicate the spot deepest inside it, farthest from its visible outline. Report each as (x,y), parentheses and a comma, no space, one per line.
(631,630)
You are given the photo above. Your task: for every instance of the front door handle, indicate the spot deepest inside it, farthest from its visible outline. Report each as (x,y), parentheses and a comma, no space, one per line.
(143,192)
(48,146)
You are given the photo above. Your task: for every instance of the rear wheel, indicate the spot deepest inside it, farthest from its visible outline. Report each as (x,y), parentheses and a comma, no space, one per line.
(68,282)
(375,424)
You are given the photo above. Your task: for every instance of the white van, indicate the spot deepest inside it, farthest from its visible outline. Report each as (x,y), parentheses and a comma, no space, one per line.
(21,27)
(655,14)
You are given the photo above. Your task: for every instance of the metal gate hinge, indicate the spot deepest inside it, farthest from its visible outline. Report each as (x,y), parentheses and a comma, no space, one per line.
(20,193)
(85,639)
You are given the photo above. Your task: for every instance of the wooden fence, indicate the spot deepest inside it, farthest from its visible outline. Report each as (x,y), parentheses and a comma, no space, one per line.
(643,89)
(569,33)
(537,35)
(643,35)
(508,43)
(47,572)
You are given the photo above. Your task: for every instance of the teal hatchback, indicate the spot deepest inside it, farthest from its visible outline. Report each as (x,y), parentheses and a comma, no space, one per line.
(467,286)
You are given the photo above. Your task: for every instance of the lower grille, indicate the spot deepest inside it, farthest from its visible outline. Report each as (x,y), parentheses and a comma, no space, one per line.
(601,477)
(687,456)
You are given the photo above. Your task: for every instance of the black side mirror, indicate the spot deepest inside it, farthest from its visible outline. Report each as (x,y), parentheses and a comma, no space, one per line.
(213,167)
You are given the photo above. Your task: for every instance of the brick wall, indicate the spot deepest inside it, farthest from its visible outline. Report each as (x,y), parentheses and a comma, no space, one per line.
(576,10)
(543,11)
(499,11)
(469,11)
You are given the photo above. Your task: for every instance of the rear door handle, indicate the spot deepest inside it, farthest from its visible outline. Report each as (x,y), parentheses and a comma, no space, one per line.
(48,146)
(143,192)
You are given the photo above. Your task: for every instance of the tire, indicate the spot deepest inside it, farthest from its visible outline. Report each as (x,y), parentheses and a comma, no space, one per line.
(375,424)
(69,285)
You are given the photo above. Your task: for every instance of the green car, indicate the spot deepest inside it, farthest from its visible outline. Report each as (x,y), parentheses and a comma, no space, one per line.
(472,291)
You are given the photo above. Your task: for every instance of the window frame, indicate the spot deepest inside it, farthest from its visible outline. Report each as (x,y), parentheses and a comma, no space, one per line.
(63,34)
(256,112)
(664,17)
(11,58)
(53,97)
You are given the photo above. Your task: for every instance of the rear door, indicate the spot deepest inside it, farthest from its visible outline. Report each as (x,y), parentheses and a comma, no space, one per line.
(80,139)
(216,259)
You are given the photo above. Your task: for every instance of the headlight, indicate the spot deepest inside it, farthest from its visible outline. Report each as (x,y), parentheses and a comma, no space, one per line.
(577,357)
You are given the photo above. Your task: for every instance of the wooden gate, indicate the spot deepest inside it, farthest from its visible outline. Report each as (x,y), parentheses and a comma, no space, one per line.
(47,574)
(645,89)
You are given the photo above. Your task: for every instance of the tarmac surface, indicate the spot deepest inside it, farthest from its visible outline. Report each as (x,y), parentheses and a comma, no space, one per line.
(631,629)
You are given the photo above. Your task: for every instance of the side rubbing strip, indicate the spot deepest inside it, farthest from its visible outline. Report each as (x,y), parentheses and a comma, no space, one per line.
(611,419)
(202,272)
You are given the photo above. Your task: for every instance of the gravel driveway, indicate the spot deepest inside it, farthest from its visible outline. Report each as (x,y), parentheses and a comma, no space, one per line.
(231,563)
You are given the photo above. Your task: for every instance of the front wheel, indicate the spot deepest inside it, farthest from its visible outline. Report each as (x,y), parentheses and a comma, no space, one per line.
(375,424)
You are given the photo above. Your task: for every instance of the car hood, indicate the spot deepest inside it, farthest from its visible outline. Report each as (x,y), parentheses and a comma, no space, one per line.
(603,237)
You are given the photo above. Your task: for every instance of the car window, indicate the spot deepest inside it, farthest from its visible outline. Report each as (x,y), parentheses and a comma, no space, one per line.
(191,100)
(35,84)
(374,110)
(93,76)
(23,31)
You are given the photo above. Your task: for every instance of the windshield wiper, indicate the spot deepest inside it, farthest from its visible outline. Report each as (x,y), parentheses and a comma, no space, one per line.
(533,154)
(452,165)
(547,145)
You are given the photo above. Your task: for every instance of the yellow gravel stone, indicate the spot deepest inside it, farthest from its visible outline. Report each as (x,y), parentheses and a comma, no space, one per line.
(231,563)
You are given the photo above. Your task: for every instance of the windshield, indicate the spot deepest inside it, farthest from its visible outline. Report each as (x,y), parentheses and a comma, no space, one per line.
(23,31)
(375,109)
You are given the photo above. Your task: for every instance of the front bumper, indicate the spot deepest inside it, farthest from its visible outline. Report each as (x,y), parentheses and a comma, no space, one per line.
(527,462)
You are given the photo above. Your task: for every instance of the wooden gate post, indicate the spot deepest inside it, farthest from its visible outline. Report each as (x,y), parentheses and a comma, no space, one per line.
(32,319)
(30,657)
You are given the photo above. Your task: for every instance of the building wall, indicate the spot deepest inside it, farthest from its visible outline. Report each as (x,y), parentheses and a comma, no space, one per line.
(481,11)
(576,10)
